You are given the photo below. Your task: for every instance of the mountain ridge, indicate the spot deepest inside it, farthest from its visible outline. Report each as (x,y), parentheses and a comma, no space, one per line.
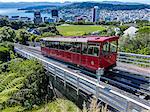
(108,5)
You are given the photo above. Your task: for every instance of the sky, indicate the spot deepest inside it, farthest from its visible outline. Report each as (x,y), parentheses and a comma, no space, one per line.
(140,1)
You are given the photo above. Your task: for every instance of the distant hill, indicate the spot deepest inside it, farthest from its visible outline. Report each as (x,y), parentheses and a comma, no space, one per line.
(30,4)
(107,6)
(40,7)
(121,3)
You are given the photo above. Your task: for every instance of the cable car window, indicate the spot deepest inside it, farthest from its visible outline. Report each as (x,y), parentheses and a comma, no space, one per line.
(62,46)
(109,47)
(67,46)
(113,46)
(93,49)
(47,44)
(90,50)
(96,51)
(105,50)
(84,48)
(72,48)
(76,47)
(42,43)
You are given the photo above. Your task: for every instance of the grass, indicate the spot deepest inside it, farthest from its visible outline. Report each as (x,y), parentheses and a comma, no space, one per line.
(78,30)
(59,105)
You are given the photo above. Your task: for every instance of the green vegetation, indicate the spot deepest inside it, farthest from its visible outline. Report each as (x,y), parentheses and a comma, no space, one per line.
(22,35)
(7,34)
(58,105)
(78,30)
(139,44)
(22,84)
(142,23)
(6,52)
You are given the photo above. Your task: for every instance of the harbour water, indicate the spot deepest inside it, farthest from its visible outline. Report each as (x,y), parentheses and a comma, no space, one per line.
(14,12)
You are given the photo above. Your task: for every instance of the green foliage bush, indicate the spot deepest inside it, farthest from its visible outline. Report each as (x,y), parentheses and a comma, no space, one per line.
(7,34)
(4,54)
(139,44)
(22,36)
(22,83)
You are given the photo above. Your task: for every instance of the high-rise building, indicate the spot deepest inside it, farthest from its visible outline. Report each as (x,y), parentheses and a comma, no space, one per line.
(95,15)
(55,15)
(37,17)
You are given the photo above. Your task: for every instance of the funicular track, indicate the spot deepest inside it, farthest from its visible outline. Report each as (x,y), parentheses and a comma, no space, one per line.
(132,83)
(116,98)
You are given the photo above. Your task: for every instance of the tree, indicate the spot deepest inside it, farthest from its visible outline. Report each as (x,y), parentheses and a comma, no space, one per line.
(4,54)
(17,25)
(7,34)
(141,23)
(139,44)
(48,34)
(61,21)
(51,29)
(4,22)
(22,36)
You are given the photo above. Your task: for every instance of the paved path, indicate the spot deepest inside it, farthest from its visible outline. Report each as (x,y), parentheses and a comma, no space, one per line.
(134,69)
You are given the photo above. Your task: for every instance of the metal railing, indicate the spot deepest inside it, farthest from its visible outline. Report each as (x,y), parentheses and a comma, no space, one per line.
(138,59)
(116,100)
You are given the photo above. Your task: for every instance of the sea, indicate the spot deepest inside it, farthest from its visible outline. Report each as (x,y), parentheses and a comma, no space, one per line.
(15,12)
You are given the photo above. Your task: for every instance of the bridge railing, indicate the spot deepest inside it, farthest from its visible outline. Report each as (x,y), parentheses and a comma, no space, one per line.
(138,59)
(111,97)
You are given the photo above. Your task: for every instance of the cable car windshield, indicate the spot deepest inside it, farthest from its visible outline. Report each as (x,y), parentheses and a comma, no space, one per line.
(109,47)
(91,49)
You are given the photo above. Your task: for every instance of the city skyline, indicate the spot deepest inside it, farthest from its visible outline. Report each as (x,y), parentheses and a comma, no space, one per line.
(137,1)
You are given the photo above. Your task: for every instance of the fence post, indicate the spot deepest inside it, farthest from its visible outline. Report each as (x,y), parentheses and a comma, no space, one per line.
(77,85)
(64,80)
(128,106)
(97,93)
(99,73)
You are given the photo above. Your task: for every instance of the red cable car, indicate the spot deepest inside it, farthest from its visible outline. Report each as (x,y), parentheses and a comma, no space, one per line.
(90,52)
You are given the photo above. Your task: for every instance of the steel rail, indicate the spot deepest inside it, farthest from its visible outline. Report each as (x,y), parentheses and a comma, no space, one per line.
(95,85)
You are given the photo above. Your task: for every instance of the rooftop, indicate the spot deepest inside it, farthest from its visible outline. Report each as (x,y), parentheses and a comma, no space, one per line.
(81,39)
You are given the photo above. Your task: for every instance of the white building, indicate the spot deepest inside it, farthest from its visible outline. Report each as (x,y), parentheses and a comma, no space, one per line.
(131,31)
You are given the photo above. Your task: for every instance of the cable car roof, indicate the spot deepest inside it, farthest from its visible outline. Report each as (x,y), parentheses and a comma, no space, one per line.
(83,39)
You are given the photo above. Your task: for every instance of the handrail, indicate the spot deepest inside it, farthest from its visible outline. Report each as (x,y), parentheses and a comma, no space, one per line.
(133,54)
(85,82)
(138,59)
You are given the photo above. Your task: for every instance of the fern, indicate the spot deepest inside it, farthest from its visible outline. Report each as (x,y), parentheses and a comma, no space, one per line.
(13,109)
(6,94)
(8,78)
(15,82)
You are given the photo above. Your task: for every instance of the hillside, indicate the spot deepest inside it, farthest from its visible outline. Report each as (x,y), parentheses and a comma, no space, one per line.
(107,6)
(29,4)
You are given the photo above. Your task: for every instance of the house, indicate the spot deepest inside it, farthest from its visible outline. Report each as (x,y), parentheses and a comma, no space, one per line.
(34,31)
(131,31)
